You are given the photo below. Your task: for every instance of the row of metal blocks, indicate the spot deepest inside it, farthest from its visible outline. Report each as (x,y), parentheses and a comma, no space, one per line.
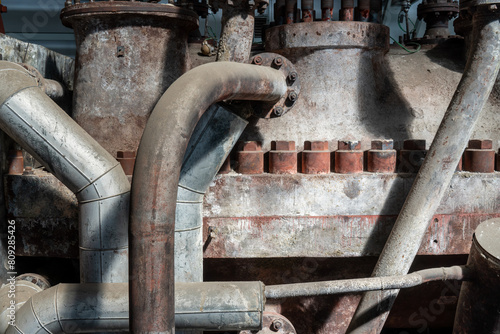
(316,158)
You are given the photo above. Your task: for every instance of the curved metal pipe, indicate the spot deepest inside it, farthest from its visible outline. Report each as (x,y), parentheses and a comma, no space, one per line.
(368,284)
(90,308)
(435,174)
(156,176)
(43,129)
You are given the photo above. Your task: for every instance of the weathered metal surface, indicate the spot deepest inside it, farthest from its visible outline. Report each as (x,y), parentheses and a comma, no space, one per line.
(15,162)
(479,157)
(159,162)
(126,160)
(46,215)
(331,236)
(316,158)
(435,175)
(283,158)
(118,77)
(382,157)
(237,31)
(478,309)
(250,158)
(273,323)
(349,158)
(288,101)
(412,156)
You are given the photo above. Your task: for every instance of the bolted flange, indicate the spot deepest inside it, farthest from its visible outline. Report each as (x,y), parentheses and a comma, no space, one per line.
(280,63)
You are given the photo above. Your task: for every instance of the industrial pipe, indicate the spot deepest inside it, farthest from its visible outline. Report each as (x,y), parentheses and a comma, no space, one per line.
(213,138)
(156,177)
(43,129)
(457,273)
(436,172)
(478,309)
(90,308)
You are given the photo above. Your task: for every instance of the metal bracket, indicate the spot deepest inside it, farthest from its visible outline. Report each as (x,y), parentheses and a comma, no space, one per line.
(269,110)
(274,323)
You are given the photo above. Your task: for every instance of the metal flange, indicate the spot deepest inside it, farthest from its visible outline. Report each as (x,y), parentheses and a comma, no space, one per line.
(286,103)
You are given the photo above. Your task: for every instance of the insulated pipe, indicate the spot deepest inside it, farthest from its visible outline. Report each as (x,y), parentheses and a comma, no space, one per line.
(435,174)
(43,129)
(13,295)
(213,138)
(156,177)
(90,308)
(367,284)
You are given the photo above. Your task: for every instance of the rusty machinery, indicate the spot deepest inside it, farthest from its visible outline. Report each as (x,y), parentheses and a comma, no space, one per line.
(314,193)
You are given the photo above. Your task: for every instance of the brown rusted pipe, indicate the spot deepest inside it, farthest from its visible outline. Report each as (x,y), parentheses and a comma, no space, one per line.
(436,172)
(156,177)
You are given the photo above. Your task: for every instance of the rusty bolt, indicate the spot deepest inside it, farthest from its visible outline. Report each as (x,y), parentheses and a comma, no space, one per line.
(414,144)
(412,155)
(349,145)
(292,76)
(257,60)
(382,157)
(278,111)
(479,157)
(316,157)
(250,158)
(276,325)
(292,96)
(382,144)
(283,157)
(278,61)
(480,144)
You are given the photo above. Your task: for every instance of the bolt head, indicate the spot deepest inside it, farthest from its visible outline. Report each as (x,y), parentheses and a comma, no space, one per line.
(480,144)
(278,111)
(292,76)
(276,325)
(292,96)
(414,144)
(283,145)
(251,146)
(316,145)
(349,145)
(257,60)
(278,61)
(382,144)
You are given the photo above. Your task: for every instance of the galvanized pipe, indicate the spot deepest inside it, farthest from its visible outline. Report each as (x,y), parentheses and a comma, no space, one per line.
(156,177)
(43,129)
(435,174)
(458,273)
(213,138)
(90,308)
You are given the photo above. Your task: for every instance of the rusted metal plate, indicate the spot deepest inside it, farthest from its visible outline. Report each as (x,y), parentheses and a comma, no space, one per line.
(334,236)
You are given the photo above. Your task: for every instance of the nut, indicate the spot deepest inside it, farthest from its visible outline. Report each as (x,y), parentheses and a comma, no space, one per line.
(292,76)
(257,60)
(316,145)
(292,96)
(278,61)
(282,145)
(276,325)
(414,144)
(278,111)
(382,144)
(480,144)
(349,145)
(251,146)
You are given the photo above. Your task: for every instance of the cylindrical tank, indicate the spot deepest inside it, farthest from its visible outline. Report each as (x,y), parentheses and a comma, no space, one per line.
(128,54)
(478,310)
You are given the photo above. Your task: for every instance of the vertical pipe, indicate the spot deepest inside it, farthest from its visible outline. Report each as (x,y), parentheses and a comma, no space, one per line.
(327,10)
(436,172)
(237,32)
(478,310)
(291,11)
(346,10)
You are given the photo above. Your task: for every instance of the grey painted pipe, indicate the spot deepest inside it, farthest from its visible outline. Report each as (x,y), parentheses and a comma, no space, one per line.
(19,294)
(89,308)
(368,284)
(43,129)
(213,138)
(435,174)
(156,178)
